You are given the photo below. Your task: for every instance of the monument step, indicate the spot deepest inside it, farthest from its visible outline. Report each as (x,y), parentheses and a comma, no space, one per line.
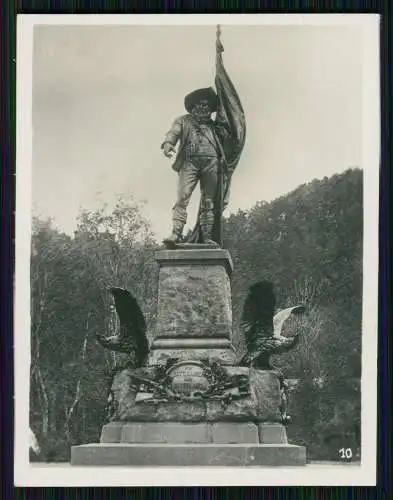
(189,342)
(195,433)
(183,455)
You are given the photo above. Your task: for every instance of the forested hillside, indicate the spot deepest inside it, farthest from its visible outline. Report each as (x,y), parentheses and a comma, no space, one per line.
(308,243)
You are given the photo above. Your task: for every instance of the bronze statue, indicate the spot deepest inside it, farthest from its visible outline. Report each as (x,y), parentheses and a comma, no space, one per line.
(209,151)
(130,338)
(199,159)
(262,328)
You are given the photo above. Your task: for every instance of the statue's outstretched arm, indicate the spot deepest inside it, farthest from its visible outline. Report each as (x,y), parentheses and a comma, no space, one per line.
(173,135)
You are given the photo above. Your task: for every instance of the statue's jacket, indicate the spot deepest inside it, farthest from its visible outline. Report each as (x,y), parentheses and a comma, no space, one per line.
(186,130)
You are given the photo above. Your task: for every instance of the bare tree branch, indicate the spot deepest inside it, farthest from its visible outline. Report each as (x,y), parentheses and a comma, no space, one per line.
(69,413)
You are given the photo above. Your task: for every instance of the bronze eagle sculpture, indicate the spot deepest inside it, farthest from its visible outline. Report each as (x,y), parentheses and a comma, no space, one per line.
(262,327)
(130,338)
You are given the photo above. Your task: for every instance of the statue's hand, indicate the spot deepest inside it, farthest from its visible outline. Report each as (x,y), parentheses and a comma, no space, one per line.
(168,149)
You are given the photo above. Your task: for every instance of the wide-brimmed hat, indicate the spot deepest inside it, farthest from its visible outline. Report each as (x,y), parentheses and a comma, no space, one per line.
(196,96)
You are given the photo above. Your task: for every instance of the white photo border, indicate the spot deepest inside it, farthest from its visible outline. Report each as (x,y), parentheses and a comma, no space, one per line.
(26,474)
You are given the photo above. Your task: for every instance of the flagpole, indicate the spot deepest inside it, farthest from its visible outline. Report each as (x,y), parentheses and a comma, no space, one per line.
(219,46)
(220,186)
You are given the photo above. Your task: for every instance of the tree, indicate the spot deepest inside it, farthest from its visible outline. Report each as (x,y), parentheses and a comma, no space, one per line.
(69,304)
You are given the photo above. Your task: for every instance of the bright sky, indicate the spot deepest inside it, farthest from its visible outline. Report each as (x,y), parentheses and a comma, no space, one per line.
(104,96)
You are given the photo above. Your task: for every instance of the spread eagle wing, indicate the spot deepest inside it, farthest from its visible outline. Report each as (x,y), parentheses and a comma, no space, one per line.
(131,337)
(281,317)
(257,318)
(262,328)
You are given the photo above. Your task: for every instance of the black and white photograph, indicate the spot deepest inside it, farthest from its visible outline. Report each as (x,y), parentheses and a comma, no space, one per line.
(196,280)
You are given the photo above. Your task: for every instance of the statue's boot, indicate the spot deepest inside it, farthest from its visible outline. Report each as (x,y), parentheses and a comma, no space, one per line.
(207,220)
(176,236)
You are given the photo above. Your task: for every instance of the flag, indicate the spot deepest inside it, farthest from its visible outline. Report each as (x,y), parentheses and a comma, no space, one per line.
(230,114)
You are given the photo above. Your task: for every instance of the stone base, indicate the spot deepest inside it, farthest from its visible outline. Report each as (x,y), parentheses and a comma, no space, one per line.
(225,355)
(262,405)
(195,433)
(200,444)
(192,246)
(219,350)
(178,455)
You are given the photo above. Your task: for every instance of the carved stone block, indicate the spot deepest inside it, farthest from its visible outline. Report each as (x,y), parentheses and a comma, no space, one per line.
(227,432)
(194,310)
(170,432)
(272,433)
(265,388)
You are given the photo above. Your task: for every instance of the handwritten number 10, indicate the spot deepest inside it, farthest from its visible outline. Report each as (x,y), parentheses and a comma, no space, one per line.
(345,453)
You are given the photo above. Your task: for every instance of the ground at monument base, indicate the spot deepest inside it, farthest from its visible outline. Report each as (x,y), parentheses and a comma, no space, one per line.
(167,455)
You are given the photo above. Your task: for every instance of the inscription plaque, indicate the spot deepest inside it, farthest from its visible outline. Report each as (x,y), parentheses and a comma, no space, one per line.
(188,378)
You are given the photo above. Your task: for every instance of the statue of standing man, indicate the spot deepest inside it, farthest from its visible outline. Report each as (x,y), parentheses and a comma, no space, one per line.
(208,153)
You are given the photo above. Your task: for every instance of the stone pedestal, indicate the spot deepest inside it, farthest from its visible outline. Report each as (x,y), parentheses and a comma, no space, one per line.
(194,310)
(191,404)
(243,431)
(199,444)
(260,405)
